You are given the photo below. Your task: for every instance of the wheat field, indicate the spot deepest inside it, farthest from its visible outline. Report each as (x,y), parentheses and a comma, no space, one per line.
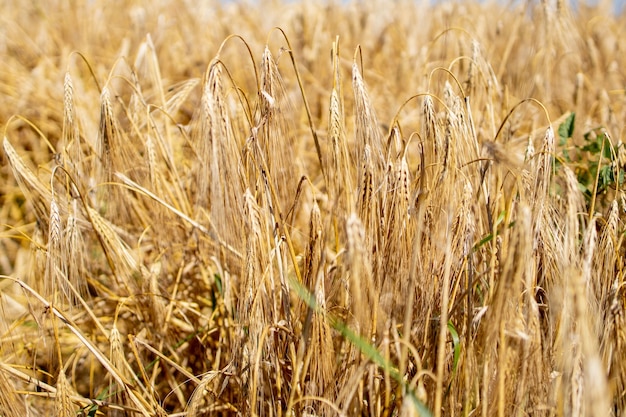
(312,209)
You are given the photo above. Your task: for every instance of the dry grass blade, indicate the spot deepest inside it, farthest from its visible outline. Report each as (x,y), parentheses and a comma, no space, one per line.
(178,94)
(275,137)
(37,193)
(136,187)
(10,404)
(194,408)
(122,262)
(48,389)
(161,356)
(134,398)
(220,172)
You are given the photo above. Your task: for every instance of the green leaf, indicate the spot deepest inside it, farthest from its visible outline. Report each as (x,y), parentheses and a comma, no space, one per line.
(566,129)
(486,239)
(303,293)
(218,283)
(93,411)
(608,148)
(374,355)
(606,178)
(566,155)
(594,146)
(366,348)
(589,136)
(489,237)
(584,189)
(500,218)
(456,343)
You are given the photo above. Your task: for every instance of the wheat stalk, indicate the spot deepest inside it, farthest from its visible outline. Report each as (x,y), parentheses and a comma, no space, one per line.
(63,401)
(10,403)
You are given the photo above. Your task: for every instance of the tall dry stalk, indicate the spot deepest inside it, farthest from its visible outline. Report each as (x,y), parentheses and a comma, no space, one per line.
(10,403)
(219,178)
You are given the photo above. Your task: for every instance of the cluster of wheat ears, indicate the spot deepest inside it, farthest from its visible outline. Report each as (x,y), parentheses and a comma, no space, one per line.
(381,209)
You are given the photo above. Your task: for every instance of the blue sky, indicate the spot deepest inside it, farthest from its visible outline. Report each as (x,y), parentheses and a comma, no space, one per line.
(617,5)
